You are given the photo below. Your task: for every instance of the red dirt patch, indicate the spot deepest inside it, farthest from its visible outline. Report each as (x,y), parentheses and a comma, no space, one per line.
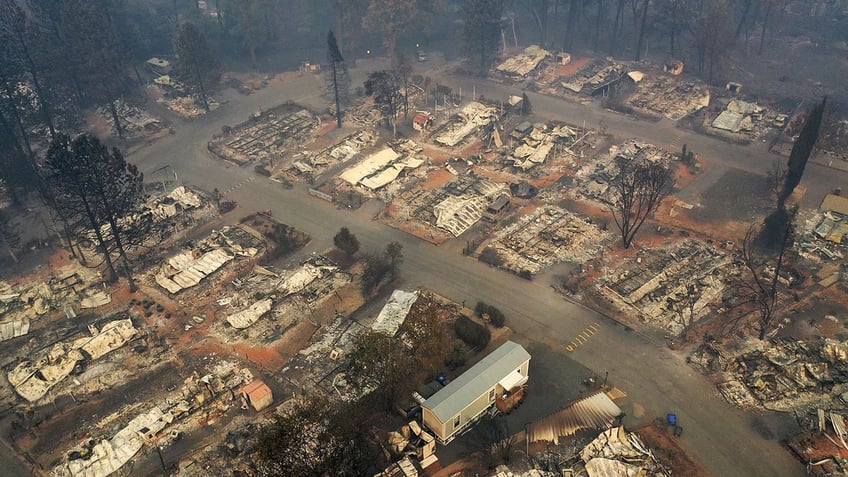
(573,67)
(437,179)
(327,128)
(548,180)
(266,358)
(495,176)
(665,448)
(59,259)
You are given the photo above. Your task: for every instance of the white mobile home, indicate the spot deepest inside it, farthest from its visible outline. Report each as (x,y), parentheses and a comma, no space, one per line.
(496,377)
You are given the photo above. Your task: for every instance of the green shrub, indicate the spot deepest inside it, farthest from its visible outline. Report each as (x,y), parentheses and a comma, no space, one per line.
(472,333)
(458,356)
(496,316)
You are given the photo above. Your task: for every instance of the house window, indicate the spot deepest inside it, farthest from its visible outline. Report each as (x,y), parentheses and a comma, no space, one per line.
(456,421)
(492,395)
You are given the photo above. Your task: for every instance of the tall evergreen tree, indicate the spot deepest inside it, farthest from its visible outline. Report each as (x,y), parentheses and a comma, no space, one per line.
(391,18)
(337,78)
(16,170)
(195,62)
(16,37)
(92,41)
(97,189)
(482,32)
(249,19)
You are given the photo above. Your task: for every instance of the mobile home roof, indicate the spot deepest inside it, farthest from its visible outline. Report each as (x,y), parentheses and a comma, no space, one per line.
(462,391)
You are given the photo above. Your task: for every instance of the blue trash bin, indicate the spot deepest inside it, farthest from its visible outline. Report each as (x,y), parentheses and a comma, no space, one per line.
(672,419)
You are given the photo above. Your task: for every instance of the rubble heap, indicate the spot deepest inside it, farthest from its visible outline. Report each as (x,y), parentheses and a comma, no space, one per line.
(33,377)
(661,284)
(525,62)
(267,135)
(618,452)
(668,96)
(379,169)
(824,231)
(310,164)
(70,285)
(456,213)
(160,425)
(535,147)
(472,117)
(793,375)
(595,176)
(594,75)
(738,116)
(189,267)
(822,445)
(547,236)
(134,120)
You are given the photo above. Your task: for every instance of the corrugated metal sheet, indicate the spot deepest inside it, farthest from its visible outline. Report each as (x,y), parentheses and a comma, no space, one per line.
(597,411)
(369,166)
(462,391)
(394,312)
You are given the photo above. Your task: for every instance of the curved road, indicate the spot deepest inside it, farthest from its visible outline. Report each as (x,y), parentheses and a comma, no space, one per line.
(717,435)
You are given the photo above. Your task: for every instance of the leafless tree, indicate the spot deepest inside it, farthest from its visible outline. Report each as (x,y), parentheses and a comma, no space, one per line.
(759,286)
(684,307)
(635,193)
(494,439)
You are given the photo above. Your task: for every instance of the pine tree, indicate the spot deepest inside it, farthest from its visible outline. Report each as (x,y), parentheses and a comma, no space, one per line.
(195,62)
(101,193)
(338,80)
(482,32)
(92,41)
(346,242)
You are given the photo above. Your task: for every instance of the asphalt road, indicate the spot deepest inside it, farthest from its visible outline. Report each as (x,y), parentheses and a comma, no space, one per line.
(717,435)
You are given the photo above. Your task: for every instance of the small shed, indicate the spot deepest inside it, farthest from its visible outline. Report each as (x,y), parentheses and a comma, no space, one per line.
(257,394)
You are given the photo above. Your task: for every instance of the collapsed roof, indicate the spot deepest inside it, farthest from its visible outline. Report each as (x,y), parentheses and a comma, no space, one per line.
(525,62)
